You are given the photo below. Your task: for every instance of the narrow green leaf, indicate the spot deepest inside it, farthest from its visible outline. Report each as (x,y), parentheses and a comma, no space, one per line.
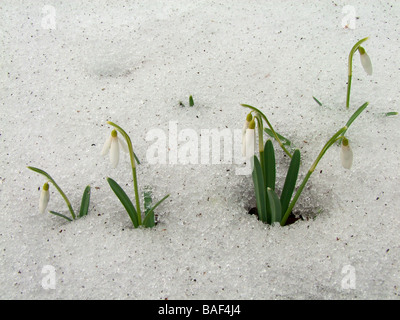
(290,181)
(44,173)
(60,215)
(392,113)
(149,221)
(352,118)
(275,206)
(356,114)
(285,141)
(85,202)
(269,165)
(259,189)
(317,101)
(191,102)
(126,202)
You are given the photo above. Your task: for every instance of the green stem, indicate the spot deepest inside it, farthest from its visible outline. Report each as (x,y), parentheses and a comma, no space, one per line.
(260,133)
(350,67)
(330,142)
(135,184)
(44,173)
(348,91)
(270,126)
(133,164)
(261,142)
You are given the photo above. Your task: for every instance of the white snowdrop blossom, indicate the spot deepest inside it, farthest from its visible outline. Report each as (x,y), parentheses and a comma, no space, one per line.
(346,154)
(250,140)
(112,145)
(44,198)
(365,61)
(245,127)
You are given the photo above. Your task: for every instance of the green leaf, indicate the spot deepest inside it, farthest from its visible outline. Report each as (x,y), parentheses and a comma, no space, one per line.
(44,173)
(259,189)
(191,102)
(356,114)
(290,181)
(148,220)
(60,215)
(85,202)
(285,141)
(126,202)
(352,118)
(392,113)
(269,165)
(275,206)
(317,101)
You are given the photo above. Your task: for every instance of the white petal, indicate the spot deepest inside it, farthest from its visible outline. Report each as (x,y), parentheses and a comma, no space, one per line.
(114,152)
(44,200)
(346,156)
(124,146)
(366,63)
(250,143)
(106,146)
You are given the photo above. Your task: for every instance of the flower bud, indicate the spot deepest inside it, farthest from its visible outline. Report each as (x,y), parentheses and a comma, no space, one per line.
(250,140)
(346,154)
(44,198)
(249,118)
(365,61)
(112,145)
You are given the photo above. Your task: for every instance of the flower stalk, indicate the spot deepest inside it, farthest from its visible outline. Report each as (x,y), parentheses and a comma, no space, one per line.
(44,198)
(132,157)
(275,135)
(135,213)
(350,69)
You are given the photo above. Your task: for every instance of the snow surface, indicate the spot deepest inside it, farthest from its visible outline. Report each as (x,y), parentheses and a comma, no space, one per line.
(131,62)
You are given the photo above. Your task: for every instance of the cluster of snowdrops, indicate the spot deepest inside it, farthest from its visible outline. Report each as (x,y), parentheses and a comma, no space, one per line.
(271,206)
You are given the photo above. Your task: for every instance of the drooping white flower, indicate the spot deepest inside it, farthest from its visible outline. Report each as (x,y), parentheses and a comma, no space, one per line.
(112,145)
(44,198)
(346,154)
(245,127)
(250,140)
(365,60)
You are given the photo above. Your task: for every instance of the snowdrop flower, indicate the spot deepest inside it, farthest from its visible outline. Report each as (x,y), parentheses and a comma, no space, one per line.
(44,198)
(112,145)
(365,61)
(346,154)
(245,127)
(250,140)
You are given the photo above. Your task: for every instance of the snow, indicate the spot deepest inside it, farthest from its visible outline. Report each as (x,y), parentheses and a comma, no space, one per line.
(131,62)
